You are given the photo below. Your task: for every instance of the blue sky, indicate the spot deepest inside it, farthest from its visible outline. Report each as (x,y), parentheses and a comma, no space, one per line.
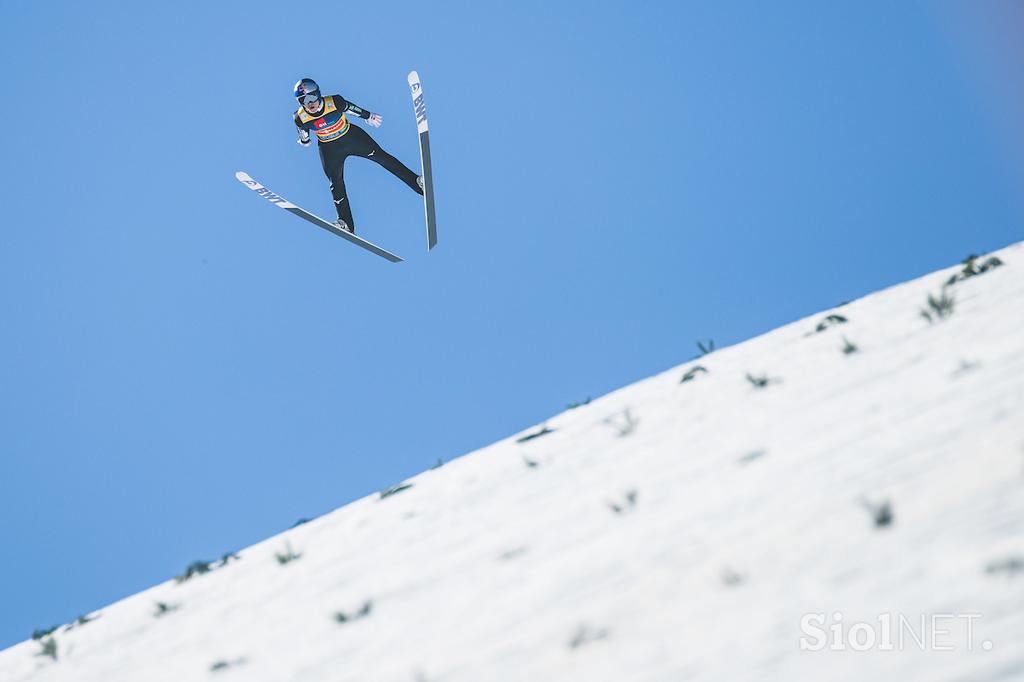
(187,370)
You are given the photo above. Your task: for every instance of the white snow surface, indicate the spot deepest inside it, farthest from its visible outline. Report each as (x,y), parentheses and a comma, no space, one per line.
(751,511)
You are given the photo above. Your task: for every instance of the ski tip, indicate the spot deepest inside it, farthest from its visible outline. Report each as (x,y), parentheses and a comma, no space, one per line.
(242,176)
(413,77)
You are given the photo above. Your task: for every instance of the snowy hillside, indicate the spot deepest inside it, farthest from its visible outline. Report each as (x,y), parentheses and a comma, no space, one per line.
(710,528)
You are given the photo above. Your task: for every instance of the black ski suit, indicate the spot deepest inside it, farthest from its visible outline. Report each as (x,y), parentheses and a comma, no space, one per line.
(337,139)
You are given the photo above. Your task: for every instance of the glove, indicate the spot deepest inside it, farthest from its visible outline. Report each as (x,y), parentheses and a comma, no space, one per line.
(375,120)
(304,138)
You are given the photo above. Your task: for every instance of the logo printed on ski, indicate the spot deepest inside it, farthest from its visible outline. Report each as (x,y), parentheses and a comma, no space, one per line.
(281,202)
(269,196)
(420,108)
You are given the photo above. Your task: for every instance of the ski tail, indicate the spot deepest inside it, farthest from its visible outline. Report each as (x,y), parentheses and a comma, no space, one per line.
(281,202)
(423,128)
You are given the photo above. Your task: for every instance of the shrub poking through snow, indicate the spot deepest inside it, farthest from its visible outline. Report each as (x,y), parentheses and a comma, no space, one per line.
(530,463)
(363,612)
(163,608)
(43,632)
(394,490)
(939,308)
(624,423)
(578,403)
(692,373)
(287,556)
(227,558)
(849,347)
(881,512)
(536,434)
(194,569)
(706,348)
(78,622)
(49,648)
(972,268)
(438,464)
(883,515)
(830,321)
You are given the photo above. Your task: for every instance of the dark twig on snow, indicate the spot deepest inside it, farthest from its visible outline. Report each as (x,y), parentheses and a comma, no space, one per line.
(750,457)
(626,425)
(628,503)
(692,373)
(760,381)
(80,621)
(287,556)
(194,569)
(224,665)
(394,490)
(536,434)
(830,321)
(363,612)
(1010,566)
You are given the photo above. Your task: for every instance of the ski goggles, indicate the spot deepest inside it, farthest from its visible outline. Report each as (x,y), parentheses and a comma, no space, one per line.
(309,100)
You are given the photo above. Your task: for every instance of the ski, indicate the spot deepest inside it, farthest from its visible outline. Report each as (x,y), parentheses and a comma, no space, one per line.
(278,200)
(420,109)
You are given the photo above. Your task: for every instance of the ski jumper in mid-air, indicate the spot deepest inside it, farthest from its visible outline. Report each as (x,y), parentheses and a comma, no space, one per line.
(337,139)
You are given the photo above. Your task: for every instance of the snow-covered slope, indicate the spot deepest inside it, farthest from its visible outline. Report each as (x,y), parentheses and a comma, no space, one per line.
(672,530)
